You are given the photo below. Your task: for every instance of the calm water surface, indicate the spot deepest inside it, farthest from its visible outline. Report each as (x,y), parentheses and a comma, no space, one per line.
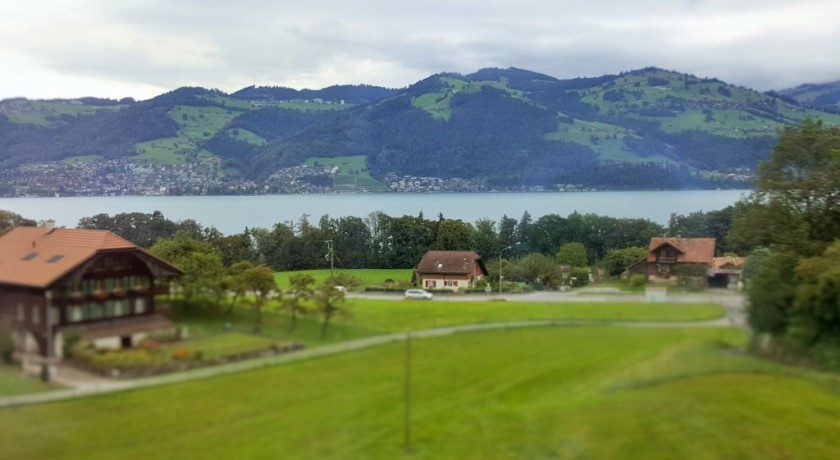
(231,214)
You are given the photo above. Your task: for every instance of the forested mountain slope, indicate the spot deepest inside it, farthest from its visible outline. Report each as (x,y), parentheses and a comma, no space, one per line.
(503,128)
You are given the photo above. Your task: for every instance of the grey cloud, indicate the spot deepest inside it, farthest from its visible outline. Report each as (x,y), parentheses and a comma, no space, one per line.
(230,45)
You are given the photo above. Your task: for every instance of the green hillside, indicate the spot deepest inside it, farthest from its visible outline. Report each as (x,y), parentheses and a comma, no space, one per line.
(825,96)
(50,112)
(505,128)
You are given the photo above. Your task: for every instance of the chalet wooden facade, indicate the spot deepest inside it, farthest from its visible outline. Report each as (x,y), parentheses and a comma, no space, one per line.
(450,270)
(91,281)
(666,254)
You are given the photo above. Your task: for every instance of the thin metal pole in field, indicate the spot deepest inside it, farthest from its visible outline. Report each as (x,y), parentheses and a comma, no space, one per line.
(407,421)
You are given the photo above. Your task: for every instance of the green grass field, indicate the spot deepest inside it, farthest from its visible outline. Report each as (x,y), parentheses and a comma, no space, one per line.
(13,383)
(376,317)
(581,392)
(224,344)
(385,315)
(39,112)
(196,124)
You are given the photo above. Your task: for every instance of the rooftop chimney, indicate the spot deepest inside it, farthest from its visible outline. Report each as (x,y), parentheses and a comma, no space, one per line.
(49,225)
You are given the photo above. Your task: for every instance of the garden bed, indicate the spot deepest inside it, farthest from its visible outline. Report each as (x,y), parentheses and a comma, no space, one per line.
(154,358)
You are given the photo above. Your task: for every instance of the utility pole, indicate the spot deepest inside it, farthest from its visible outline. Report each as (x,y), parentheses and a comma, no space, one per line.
(500,268)
(331,256)
(407,394)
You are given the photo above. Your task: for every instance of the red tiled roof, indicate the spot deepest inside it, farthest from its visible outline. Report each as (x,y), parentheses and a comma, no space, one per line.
(32,256)
(728,261)
(450,263)
(692,250)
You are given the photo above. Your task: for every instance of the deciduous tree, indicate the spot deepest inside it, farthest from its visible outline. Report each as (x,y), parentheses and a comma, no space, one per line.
(296,298)
(204,279)
(329,302)
(10,220)
(572,254)
(796,202)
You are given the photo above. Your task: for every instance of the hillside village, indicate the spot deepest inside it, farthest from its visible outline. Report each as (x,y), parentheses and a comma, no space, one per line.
(126,177)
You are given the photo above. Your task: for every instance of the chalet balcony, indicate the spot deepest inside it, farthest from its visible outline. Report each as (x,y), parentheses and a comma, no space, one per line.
(666,260)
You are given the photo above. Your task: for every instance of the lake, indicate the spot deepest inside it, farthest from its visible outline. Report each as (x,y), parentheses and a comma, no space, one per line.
(231,214)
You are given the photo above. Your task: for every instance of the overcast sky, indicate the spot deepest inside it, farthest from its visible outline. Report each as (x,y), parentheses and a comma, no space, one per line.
(141,48)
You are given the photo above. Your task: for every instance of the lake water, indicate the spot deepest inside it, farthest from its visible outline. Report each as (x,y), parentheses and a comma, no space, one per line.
(231,214)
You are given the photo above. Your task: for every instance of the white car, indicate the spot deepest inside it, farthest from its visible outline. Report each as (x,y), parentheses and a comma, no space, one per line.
(418,294)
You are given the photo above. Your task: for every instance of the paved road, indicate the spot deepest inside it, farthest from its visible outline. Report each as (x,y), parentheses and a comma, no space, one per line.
(87,387)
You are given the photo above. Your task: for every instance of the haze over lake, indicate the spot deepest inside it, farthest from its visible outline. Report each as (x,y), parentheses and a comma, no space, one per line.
(231,214)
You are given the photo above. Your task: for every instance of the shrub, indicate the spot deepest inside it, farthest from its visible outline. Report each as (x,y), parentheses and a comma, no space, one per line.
(347,280)
(638,280)
(71,338)
(691,276)
(579,276)
(84,353)
(182,354)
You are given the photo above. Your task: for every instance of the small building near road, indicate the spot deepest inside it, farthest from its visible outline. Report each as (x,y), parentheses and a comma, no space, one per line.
(726,272)
(450,270)
(92,282)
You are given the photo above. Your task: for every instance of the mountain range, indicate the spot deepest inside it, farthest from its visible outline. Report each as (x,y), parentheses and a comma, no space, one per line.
(500,129)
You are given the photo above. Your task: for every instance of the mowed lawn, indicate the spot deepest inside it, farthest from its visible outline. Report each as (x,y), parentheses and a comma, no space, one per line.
(13,382)
(400,315)
(562,392)
(370,317)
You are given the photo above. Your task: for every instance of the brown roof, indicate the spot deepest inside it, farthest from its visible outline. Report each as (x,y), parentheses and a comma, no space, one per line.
(33,256)
(451,263)
(691,250)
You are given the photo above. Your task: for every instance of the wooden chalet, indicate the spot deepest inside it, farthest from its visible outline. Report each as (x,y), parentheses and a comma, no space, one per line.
(450,270)
(91,281)
(665,254)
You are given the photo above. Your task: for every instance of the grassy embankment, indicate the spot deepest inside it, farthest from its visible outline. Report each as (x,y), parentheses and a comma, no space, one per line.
(582,392)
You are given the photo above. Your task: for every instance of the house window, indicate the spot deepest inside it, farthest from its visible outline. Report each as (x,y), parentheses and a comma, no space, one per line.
(139,305)
(36,315)
(89,286)
(20,312)
(450,283)
(96,311)
(120,308)
(77,313)
(431,283)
